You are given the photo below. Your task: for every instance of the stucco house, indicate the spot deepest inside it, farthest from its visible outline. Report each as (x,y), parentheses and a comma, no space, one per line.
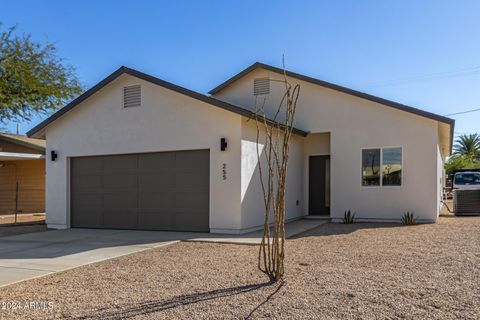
(22,174)
(137,152)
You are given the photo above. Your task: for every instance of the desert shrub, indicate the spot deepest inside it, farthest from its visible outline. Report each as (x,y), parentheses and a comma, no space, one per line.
(348,217)
(408,218)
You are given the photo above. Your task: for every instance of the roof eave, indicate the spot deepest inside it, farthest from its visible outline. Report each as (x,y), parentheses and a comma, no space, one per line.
(22,143)
(38,129)
(32,132)
(332,86)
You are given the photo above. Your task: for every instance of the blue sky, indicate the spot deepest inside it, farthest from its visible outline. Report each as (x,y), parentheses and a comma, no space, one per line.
(422,53)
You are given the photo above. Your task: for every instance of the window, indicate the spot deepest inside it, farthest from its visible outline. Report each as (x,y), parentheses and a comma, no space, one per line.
(392,167)
(371,167)
(390,171)
(132,96)
(467,178)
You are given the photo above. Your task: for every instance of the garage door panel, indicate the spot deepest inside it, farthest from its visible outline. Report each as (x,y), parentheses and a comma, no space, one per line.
(153,162)
(190,222)
(120,200)
(120,164)
(120,181)
(156,191)
(191,201)
(120,219)
(191,161)
(156,200)
(156,221)
(85,182)
(156,181)
(90,165)
(88,218)
(191,181)
(91,201)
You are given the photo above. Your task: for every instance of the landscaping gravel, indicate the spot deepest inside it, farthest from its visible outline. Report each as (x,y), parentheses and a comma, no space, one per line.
(358,271)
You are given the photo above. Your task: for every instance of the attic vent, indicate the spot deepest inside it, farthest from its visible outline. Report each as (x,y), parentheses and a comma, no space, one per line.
(132,96)
(261,86)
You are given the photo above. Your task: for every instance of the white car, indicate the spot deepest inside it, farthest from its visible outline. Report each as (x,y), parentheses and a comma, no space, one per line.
(466,180)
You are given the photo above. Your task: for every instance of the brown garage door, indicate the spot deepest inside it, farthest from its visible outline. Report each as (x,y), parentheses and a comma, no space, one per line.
(151,191)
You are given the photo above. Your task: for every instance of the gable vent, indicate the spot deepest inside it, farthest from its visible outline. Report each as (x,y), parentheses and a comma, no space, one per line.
(261,86)
(132,96)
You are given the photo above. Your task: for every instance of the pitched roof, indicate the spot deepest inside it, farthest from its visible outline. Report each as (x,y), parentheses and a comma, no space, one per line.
(124,70)
(37,144)
(332,86)
(257,65)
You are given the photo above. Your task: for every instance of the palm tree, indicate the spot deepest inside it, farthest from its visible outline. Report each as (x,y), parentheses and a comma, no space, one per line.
(468,146)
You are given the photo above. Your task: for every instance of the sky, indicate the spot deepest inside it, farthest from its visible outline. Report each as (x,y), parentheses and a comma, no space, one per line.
(425,54)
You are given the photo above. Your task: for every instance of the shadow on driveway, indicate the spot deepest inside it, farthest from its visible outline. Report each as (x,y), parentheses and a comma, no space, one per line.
(150,307)
(60,243)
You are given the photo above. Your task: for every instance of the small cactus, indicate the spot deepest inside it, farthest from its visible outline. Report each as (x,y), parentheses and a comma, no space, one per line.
(408,219)
(348,217)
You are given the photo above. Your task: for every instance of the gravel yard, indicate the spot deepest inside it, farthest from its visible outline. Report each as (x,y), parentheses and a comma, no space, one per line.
(333,272)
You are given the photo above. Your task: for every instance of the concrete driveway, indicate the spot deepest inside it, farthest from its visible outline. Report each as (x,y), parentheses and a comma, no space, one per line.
(32,255)
(28,256)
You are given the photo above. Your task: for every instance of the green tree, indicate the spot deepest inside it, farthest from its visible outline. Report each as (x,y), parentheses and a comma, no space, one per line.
(456,162)
(468,146)
(33,80)
(466,153)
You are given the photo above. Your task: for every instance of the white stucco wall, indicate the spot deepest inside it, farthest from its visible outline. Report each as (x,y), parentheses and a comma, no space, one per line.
(253,207)
(166,121)
(440,178)
(354,124)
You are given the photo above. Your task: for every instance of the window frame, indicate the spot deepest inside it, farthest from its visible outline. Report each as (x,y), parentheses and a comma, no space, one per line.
(381,167)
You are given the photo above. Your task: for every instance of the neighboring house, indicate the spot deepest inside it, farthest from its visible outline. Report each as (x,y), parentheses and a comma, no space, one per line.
(137,152)
(22,162)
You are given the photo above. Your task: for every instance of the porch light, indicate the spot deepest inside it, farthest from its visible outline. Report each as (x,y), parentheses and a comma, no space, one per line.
(223,144)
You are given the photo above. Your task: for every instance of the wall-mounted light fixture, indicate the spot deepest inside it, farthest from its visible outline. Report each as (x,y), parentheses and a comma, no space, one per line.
(223,144)
(53,155)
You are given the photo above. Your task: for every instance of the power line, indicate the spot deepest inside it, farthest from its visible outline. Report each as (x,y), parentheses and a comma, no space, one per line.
(428,77)
(462,112)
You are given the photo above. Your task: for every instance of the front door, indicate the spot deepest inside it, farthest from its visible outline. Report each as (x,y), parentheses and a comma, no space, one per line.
(319,185)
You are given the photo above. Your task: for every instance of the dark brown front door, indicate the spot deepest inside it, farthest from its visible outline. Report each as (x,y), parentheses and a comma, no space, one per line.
(319,185)
(150,191)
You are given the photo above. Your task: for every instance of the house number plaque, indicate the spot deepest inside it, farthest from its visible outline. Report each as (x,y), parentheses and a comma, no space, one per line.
(224,171)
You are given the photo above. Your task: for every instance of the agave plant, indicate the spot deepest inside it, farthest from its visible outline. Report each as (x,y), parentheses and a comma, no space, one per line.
(408,219)
(348,217)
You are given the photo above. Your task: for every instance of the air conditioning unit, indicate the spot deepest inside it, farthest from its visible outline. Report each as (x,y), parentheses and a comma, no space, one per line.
(466,202)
